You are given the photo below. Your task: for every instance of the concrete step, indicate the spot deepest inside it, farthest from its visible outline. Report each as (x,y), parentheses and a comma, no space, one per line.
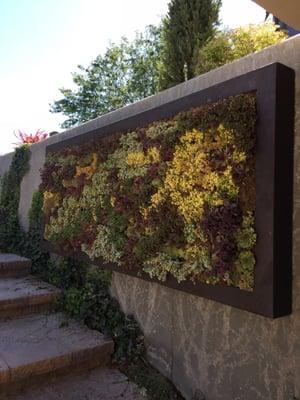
(37,345)
(12,265)
(26,295)
(97,384)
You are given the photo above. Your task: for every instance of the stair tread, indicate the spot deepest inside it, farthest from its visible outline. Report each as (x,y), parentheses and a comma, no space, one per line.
(43,343)
(12,258)
(100,383)
(15,290)
(30,288)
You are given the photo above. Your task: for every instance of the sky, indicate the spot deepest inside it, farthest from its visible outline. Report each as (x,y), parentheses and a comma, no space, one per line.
(42,42)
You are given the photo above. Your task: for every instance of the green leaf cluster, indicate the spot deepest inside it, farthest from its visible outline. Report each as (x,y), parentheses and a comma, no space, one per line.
(125,73)
(93,303)
(86,296)
(231,45)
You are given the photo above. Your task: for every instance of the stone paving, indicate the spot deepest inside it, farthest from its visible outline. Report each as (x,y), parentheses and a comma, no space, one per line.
(41,350)
(42,343)
(97,384)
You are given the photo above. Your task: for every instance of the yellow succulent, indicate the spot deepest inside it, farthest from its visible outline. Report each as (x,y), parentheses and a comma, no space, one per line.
(51,201)
(90,169)
(139,159)
(136,159)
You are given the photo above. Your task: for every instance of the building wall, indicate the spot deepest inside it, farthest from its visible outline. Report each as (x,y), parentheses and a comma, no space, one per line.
(286,10)
(204,347)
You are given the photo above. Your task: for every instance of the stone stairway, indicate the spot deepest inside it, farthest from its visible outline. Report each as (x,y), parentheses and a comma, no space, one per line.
(36,341)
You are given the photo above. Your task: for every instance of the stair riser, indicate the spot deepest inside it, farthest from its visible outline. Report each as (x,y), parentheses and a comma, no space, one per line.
(19,307)
(41,371)
(14,271)
(28,310)
(12,266)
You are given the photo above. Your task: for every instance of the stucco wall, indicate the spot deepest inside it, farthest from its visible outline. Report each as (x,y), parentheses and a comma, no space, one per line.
(223,352)
(204,346)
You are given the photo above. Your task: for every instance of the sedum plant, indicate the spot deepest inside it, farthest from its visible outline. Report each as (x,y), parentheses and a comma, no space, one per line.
(175,198)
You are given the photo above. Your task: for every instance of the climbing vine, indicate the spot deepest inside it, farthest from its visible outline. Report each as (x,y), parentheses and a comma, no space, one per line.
(31,245)
(175,198)
(11,233)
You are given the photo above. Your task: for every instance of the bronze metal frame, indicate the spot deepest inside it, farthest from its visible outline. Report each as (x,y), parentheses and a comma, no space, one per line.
(274,87)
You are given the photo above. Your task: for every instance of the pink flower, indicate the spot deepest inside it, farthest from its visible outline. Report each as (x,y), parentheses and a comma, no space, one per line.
(29,138)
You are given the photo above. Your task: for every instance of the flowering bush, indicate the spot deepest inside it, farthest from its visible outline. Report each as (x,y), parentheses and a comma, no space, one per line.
(30,138)
(174,198)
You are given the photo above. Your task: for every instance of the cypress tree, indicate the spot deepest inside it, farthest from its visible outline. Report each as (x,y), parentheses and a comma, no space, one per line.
(187,26)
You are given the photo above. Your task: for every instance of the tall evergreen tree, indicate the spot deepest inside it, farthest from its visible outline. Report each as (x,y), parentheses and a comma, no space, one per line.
(187,26)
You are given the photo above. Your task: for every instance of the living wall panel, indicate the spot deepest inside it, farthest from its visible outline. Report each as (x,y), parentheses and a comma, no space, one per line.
(270,149)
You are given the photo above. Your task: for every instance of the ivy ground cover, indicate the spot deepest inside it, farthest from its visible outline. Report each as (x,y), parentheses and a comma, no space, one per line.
(174,198)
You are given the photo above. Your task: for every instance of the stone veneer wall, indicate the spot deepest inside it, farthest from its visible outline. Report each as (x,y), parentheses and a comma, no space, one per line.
(205,347)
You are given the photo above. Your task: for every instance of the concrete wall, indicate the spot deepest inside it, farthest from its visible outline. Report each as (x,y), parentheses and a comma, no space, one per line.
(203,346)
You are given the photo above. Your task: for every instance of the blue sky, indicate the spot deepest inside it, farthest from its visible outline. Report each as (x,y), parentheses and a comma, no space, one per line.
(42,42)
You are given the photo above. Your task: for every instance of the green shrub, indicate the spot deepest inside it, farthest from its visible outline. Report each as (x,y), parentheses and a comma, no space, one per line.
(156,386)
(11,234)
(228,46)
(93,303)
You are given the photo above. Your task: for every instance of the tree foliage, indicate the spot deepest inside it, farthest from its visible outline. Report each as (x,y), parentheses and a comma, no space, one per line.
(228,46)
(127,72)
(188,24)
